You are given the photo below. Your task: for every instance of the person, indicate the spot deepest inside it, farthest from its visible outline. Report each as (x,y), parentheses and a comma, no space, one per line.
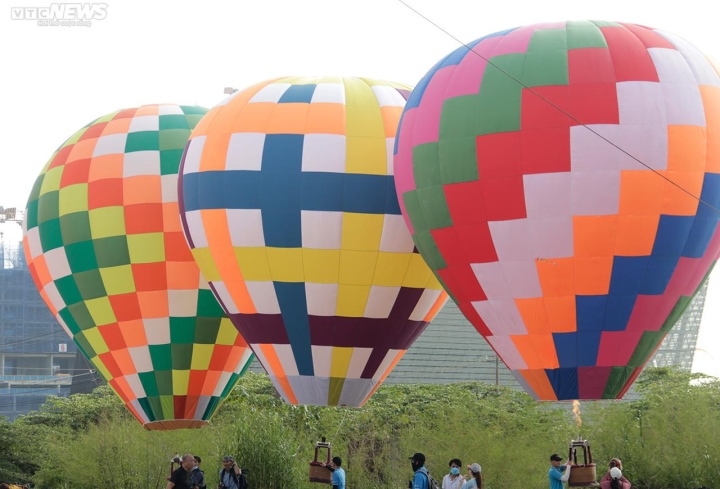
(475,480)
(338,473)
(453,480)
(420,478)
(231,476)
(180,478)
(558,473)
(614,472)
(197,475)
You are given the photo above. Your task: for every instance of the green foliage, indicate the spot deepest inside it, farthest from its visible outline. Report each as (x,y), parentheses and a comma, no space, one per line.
(13,463)
(80,411)
(666,439)
(260,443)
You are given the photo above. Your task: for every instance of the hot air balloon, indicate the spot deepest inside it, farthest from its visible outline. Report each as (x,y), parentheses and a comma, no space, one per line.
(105,248)
(289,206)
(551,177)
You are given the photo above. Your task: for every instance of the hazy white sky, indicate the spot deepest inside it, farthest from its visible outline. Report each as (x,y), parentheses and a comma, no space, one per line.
(57,78)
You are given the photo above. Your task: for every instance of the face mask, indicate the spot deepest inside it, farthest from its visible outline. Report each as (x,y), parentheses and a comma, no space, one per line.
(454,471)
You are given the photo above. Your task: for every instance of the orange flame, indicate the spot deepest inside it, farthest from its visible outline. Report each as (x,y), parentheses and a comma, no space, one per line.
(576,413)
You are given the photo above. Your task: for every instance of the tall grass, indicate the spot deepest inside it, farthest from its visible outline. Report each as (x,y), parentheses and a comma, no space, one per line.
(666,440)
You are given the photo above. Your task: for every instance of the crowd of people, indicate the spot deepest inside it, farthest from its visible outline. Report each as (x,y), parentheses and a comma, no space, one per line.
(558,474)
(453,480)
(189,475)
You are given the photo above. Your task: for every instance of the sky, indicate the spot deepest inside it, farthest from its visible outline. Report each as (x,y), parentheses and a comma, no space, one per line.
(57,78)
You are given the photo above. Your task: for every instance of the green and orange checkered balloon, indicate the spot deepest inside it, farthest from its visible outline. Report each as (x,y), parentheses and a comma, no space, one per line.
(105,247)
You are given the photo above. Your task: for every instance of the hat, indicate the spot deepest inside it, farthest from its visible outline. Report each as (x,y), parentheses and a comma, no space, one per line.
(228,458)
(475,468)
(555,457)
(615,473)
(418,457)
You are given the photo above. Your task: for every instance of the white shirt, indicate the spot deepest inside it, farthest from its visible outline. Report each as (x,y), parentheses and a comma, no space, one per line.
(449,483)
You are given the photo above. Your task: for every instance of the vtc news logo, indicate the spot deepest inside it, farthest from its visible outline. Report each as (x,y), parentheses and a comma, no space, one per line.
(65,14)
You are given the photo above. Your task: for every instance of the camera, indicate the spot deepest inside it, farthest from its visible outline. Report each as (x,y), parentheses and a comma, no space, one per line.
(176,459)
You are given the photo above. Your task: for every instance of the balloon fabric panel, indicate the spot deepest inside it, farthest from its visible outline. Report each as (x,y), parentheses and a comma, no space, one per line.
(105,248)
(549,176)
(289,206)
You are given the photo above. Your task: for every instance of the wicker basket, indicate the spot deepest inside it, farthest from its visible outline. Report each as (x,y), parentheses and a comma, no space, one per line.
(319,473)
(582,474)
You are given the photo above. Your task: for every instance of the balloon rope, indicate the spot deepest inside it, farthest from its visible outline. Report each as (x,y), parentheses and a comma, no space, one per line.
(339,425)
(559,109)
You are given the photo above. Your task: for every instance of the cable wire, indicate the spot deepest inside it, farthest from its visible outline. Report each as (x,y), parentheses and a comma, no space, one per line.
(559,109)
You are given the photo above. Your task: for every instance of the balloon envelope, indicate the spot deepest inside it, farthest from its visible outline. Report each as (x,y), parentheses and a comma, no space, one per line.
(289,205)
(550,177)
(105,248)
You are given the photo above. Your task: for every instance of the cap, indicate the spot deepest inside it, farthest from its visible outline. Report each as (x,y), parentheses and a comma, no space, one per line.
(418,457)
(615,473)
(475,468)
(228,458)
(555,457)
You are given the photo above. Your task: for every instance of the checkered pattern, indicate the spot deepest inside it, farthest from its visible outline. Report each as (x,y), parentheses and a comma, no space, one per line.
(518,169)
(289,206)
(105,248)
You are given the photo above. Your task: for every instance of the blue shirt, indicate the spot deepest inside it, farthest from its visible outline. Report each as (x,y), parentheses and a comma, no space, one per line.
(338,478)
(227,477)
(471,484)
(420,479)
(554,475)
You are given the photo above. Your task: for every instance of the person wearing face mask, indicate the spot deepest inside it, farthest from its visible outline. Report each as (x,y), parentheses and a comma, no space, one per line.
(453,480)
(420,478)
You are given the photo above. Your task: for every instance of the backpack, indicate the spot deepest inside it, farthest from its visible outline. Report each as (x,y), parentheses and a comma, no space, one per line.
(432,483)
(194,479)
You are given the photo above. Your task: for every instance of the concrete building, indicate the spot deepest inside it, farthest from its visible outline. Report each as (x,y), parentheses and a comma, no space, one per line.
(37,358)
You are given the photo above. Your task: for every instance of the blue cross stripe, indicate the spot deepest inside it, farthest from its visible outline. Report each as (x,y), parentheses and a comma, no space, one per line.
(293,308)
(282,190)
(298,94)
